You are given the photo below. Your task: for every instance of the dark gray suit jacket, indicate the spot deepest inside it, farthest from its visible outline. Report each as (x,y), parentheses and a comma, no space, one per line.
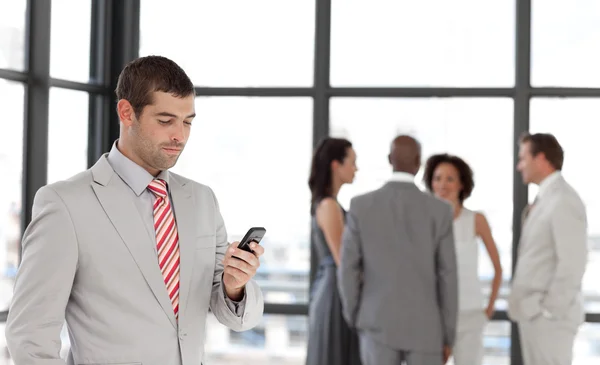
(397,276)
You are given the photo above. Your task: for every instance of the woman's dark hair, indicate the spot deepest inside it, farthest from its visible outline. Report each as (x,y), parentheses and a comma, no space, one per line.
(465,174)
(327,151)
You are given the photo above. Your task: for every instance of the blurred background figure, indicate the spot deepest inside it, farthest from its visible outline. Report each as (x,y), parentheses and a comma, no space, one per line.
(330,340)
(397,274)
(546,298)
(451,178)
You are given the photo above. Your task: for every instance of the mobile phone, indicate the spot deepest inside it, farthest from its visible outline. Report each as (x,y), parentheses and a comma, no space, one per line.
(254,234)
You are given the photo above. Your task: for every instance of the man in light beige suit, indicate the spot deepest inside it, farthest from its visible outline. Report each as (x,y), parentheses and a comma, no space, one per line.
(546,299)
(131,255)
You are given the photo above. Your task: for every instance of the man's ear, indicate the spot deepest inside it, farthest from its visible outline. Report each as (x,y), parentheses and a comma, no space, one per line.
(125,112)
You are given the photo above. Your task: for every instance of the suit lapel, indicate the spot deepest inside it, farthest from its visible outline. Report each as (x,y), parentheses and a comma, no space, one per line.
(534,212)
(186,227)
(116,201)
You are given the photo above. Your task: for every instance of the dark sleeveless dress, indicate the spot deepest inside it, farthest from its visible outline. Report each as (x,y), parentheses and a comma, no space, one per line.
(330,340)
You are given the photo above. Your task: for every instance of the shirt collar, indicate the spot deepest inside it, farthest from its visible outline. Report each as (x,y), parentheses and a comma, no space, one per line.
(547,183)
(134,175)
(402,177)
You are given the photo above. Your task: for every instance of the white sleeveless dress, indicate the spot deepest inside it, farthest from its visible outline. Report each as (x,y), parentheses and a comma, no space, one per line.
(467,255)
(468,348)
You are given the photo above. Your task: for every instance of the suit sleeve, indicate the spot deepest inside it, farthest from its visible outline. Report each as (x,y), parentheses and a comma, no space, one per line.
(239,316)
(43,283)
(569,234)
(447,280)
(350,268)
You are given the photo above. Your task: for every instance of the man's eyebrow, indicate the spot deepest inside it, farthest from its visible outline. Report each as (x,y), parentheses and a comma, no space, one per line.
(167,114)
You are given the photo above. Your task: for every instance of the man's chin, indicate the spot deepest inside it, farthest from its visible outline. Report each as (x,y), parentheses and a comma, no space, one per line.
(166,164)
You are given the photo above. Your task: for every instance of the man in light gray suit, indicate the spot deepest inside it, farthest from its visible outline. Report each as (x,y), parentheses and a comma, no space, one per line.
(546,299)
(131,255)
(397,275)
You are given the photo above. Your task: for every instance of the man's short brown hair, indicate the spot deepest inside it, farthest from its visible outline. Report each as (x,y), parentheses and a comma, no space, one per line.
(547,144)
(145,75)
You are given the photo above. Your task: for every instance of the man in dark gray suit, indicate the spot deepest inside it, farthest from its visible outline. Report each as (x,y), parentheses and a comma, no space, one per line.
(397,275)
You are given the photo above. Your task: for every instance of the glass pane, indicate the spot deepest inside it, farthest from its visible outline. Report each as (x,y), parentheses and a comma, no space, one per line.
(240,148)
(67,133)
(13,17)
(464,127)
(260,43)
(404,43)
(587,345)
(564,43)
(70,39)
(574,122)
(496,344)
(278,340)
(11,161)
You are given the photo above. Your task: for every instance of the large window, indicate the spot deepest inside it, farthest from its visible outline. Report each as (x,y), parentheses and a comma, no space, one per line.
(69,49)
(11,152)
(234,42)
(478,130)
(255,154)
(67,133)
(276,340)
(12,34)
(564,43)
(422,43)
(587,345)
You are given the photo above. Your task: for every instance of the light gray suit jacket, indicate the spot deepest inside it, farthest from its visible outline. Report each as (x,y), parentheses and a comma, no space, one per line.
(88,258)
(552,258)
(397,275)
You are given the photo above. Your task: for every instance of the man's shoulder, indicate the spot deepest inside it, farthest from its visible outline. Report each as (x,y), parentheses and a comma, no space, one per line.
(364,197)
(70,186)
(384,191)
(197,187)
(567,196)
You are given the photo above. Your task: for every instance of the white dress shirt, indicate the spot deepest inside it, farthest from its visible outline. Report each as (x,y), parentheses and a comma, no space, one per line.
(402,177)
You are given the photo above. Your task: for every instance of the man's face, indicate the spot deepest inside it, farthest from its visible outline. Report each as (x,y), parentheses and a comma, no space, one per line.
(160,133)
(528,164)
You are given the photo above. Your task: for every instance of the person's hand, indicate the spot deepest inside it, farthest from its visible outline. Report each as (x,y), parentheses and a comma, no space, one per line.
(447,353)
(239,267)
(489,312)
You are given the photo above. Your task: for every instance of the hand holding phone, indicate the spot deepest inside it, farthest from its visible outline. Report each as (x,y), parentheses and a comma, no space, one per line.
(239,267)
(254,234)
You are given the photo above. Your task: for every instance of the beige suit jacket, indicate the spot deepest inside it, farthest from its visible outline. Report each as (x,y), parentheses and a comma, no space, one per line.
(88,259)
(552,258)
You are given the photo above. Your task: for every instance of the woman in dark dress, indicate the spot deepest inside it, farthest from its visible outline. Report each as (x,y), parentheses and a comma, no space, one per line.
(330,340)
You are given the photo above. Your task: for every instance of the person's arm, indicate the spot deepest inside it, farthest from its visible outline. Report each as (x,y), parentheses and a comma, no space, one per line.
(350,268)
(245,311)
(569,235)
(331,221)
(43,283)
(447,280)
(483,231)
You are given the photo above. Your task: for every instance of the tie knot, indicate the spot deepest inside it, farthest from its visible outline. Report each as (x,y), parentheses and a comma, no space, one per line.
(158,187)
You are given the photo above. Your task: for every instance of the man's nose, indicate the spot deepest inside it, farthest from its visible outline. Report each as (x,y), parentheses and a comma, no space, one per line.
(178,133)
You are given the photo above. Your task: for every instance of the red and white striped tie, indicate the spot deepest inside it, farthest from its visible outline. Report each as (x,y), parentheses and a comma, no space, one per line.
(167,240)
